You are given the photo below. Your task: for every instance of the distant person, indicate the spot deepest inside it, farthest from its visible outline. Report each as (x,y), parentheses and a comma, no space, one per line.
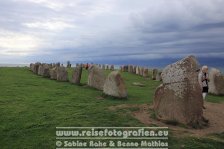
(203,78)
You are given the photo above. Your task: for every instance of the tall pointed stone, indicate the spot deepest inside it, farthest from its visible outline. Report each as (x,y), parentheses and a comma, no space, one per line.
(115,86)
(96,77)
(179,98)
(77,74)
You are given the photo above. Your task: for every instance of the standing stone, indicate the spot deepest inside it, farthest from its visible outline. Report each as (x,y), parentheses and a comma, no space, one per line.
(125,68)
(58,64)
(46,70)
(77,74)
(107,67)
(69,65)
(130,68)
(62,74)
(158,76)
(53,73)
(179,98)
(141,71)
(96,77)
(134,69)
(114,85)
(216,82)
(36,67)
(146,72)
(138,70)
(31,66)
(154,73)
(121,68)
(40,70)
(112,67)
(103,67)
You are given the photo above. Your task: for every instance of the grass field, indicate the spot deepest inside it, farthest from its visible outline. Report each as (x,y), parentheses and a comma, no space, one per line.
(31,107)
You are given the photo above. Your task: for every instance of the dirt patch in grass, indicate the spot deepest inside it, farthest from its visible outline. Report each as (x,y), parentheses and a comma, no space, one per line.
(214,112)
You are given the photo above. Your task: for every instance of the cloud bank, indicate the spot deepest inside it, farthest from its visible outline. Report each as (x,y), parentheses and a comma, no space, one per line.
(116,31)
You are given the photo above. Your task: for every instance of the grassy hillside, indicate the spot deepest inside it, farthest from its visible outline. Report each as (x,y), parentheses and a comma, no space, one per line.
(31,107)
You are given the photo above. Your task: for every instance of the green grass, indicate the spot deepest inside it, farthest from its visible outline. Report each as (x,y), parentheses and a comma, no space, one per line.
(31,107)
(215,99)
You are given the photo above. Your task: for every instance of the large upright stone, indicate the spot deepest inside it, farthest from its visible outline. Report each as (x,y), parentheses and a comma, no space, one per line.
(121,68)
(36,67)
(216,82)
(134,69)
(115,86)
(154,73)
(77,74)
(158,76)
(46,70)
(40,70)
(62,74)
(96,77)
(103,67)
(53,73)
(130,68)
(112,67)
(179,98)
(125,68)
(145,72)
(141,71)
(31,66)
(58,64)
(138,70)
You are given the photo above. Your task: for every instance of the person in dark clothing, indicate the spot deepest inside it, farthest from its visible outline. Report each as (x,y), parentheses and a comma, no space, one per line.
(203,79)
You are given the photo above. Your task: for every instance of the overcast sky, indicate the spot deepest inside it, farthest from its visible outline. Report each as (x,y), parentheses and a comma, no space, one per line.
(110,30)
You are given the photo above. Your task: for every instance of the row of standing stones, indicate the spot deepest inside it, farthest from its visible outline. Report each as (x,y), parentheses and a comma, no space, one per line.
(142,71)
(112,85)
(177,99)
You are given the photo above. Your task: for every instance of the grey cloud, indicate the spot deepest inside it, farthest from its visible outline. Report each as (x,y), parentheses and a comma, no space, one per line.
(116,28)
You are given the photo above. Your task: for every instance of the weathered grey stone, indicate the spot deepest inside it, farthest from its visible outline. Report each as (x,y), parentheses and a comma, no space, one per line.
(121,68)
(58,64)
(112,67)
(130,68)
(103,67)
(216,82)
(107,67)
(154,73)
(114,85)
(158,76)
(46,70)
(141,71)
(40,70)
(125,68)
(62,74)
(179,98)
(77,74)
(53,73)
(134,69)
(35,67)
(146,72)
(32,67)
(96,77)
(138,70)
